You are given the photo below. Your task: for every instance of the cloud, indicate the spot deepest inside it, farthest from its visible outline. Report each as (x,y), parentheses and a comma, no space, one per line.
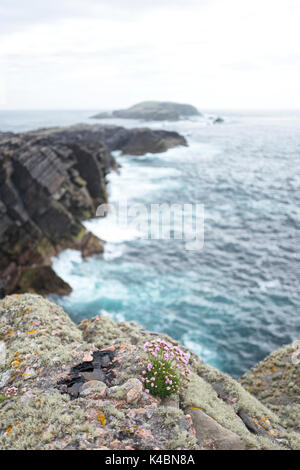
(19,14)
(91,54)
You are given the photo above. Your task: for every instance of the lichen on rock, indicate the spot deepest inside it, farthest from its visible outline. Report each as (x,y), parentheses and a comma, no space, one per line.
(110,410)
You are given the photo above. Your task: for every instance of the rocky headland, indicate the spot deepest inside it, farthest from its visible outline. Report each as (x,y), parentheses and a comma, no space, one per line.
(153,111)
(67,386)
(50,181)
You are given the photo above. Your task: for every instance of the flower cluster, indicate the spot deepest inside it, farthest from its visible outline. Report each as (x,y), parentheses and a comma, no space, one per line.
(12,391)
(165,368)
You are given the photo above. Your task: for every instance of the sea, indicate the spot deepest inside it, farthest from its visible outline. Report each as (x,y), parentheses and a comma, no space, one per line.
(235,299)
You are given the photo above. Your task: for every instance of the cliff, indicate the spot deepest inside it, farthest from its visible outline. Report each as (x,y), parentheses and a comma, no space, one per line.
(153,111)
(79,387)
(51,180)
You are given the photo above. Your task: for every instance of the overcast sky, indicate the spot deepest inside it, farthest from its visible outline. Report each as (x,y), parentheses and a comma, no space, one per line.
(98,54)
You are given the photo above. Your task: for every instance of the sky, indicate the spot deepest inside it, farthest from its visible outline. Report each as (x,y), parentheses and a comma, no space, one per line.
(108,54)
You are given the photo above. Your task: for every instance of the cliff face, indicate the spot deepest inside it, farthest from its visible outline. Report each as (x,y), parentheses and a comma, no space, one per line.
(79,387)
(50,180)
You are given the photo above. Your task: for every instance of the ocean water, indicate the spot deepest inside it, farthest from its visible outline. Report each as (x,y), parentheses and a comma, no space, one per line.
(237,299)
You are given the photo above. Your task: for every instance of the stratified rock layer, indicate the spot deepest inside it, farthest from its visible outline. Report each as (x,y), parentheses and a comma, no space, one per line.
(79,387)
(52,179)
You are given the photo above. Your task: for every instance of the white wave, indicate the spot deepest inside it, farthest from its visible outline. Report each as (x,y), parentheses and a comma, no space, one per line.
(108,229)
(114,315)
(113,251)
(205,353)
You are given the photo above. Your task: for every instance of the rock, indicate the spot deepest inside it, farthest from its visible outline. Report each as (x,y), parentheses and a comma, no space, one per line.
(212,435)
(4,378)
(153,111)
(88,357)
(29,373)
(51,180)
(172,401)
(91,245)
(134,393)
(95,388)
(59,409)
(2,353)
(95,375)
(130,391)
(118,392)
(275,381)
(42,280)
(218,120)
(144,141)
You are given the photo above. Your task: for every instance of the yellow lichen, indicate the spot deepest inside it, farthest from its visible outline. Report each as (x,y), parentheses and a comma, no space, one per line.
(102,419)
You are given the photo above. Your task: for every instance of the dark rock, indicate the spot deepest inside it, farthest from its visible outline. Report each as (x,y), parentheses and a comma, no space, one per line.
(250,424)
(91,245)
(42,280)
(143,141)
(218,120)
(99,369)
(153,111)
(51,180)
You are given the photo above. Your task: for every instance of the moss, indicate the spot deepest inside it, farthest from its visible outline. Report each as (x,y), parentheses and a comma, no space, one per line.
(81,233)
(44,247)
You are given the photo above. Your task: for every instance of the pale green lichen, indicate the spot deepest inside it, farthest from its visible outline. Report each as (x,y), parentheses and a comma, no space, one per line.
(183,440)
(200,394)
(40,338)
(36,326)
(38,421)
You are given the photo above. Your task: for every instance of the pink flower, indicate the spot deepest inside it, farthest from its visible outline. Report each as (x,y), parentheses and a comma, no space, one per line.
(146,390)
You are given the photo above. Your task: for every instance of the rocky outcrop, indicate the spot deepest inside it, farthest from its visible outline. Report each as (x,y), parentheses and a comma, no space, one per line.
(64,386)
(275,381)
(136,141)
(51,180)
(153,111)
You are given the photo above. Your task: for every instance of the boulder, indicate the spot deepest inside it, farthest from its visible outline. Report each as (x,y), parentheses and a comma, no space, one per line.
(42,280)
(212,435)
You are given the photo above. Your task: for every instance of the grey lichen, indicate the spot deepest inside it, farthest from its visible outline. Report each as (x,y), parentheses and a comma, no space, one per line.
(41,345)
